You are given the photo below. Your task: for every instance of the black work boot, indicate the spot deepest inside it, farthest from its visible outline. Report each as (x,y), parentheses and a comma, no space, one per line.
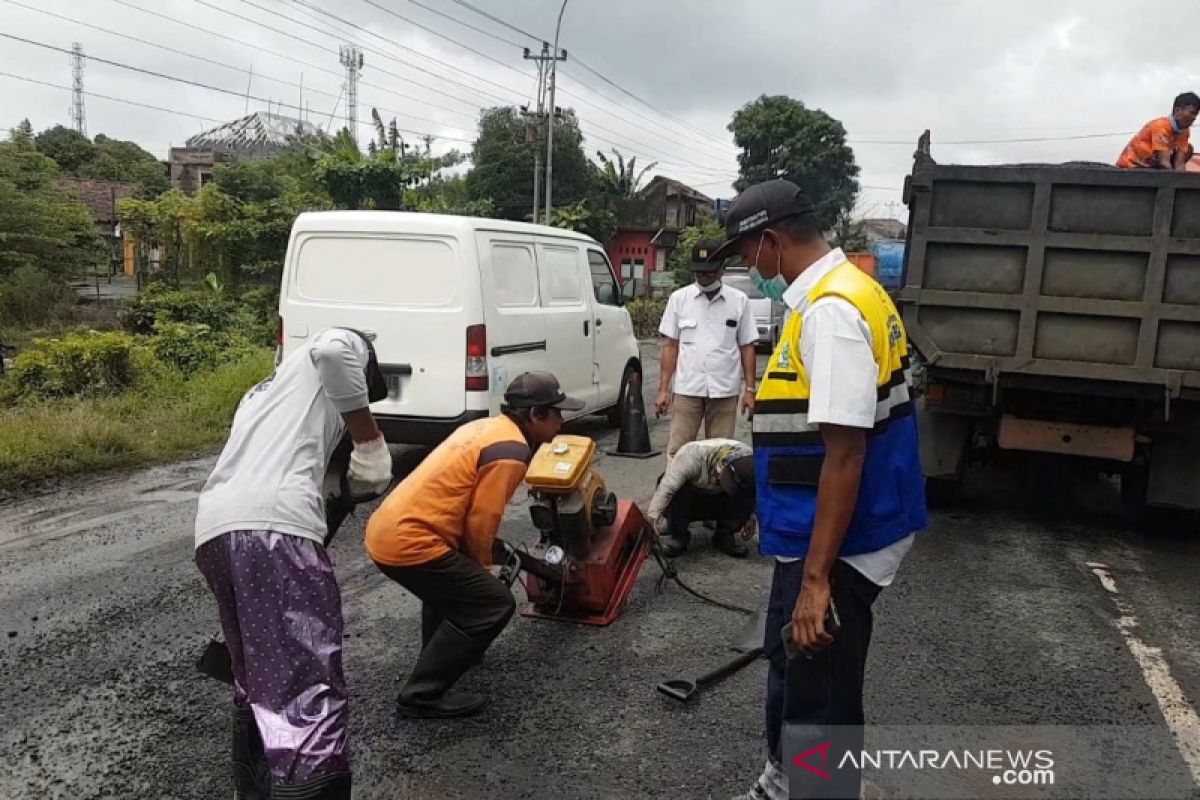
(675,544)
(429,692)
(251,776)
(326,787)
(730,544)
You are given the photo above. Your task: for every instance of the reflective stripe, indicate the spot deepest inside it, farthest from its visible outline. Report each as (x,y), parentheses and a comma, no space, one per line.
(780,423)
(779,407)
(898,395)
(787,439)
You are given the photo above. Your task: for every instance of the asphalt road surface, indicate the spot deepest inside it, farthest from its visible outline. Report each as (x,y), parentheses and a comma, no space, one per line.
(1024,605)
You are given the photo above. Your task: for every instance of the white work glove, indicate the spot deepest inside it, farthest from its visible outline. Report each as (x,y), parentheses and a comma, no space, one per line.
(370,470)
(660,525)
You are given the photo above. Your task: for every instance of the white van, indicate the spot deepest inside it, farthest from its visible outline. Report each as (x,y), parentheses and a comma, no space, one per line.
(458,307)
(768,314)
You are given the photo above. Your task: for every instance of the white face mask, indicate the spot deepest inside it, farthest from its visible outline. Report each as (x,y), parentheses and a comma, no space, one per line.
(712,287)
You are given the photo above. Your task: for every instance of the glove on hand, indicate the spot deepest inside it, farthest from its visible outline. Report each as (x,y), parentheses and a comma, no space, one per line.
(370,470)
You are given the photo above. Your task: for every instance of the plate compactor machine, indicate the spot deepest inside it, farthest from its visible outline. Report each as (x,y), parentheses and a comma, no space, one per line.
(591,545)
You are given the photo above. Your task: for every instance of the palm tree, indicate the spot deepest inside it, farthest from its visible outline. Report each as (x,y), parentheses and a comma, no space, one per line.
(620,177)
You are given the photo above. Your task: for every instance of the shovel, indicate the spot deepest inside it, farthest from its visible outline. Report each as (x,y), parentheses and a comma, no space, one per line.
(683,690)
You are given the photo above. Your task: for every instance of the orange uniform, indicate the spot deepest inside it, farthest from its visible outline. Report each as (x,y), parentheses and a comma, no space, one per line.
(454,500)
(1156,136)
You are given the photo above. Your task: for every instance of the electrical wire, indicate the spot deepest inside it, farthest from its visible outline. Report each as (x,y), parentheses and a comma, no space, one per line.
(669,572)
(199,84)
(258,48)
(65,88)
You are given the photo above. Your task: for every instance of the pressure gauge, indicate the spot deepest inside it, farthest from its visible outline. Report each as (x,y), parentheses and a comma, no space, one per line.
(555,555)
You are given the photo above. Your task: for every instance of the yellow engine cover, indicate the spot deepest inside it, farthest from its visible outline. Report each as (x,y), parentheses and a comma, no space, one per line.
(559,466)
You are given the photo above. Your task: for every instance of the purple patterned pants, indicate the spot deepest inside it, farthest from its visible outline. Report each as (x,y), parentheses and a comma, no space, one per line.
(281,613)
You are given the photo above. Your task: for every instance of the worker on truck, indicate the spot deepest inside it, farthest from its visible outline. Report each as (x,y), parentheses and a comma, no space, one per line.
(434,535)
(260,544)
(839,483)
(1164,143)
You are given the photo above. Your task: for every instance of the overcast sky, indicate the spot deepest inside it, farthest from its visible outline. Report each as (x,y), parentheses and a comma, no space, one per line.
(969,70)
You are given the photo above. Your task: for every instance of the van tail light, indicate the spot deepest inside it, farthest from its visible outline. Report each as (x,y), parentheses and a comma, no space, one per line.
(477,370)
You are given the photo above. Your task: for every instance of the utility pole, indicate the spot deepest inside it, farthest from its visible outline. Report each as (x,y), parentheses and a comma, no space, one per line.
(553,114)
(78,119)
(533,131)
(352,60)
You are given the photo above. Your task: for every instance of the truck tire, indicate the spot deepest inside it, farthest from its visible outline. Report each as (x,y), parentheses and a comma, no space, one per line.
(1135,479)
(943,492)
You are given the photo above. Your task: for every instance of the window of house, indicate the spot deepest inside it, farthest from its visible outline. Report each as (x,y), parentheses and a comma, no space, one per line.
(603,282)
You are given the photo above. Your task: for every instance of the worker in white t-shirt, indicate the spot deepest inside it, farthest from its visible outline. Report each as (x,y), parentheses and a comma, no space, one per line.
(708,358)
(260,534)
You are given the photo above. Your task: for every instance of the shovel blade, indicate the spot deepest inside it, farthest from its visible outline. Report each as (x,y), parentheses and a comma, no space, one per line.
(679,689)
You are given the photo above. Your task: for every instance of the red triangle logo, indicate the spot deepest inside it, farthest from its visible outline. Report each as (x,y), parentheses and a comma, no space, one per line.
(823,751)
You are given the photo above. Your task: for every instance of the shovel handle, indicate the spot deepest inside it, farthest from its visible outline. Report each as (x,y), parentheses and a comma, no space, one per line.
(728,668)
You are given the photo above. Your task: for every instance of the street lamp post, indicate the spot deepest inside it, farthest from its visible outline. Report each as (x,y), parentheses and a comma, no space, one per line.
(551,115)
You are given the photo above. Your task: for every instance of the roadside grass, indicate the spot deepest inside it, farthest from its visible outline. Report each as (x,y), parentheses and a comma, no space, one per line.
(165,417)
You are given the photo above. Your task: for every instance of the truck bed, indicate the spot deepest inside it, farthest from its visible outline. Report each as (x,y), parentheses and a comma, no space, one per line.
(1070,272)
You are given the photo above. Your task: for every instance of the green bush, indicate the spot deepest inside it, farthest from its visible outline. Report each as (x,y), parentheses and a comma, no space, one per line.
(32,296)
(185,346)
(157,304)
(86,363)
(646,314)
(260,314)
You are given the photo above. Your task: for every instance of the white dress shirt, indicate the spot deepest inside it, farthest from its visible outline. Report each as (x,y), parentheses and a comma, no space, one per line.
(835,348)
(711,334)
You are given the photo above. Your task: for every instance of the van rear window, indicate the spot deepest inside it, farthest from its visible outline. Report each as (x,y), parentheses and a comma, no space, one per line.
(376,270)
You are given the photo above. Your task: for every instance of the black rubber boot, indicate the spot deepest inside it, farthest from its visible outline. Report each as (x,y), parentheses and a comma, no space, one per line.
(251,776)
(326,787)
(429,692)
(675,544)
(730,544)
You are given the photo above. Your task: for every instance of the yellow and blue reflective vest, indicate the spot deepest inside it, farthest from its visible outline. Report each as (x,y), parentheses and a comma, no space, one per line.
(789,452)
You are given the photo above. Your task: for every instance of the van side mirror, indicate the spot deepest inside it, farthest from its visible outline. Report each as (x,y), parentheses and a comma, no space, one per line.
(606,294)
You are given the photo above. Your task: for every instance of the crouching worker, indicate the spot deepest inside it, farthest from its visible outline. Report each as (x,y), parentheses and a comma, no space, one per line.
(260,532)
(707,480)
(434,536)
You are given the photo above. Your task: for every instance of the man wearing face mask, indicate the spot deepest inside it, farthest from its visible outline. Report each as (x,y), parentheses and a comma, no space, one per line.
(840,488)
(709,334)
(260,536)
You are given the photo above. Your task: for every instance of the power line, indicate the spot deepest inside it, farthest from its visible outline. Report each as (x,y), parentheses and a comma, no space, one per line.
(483,55)
(499,21)
(467,25)
(609,81)
(318,67)
(28,79)
(197,84)
(393,42)
(263,25)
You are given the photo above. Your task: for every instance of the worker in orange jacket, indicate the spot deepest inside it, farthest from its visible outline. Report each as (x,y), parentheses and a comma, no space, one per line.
(434,536)
(1164,143)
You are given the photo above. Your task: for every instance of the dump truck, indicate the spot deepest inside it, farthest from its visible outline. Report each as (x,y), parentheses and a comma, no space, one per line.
(1055,309)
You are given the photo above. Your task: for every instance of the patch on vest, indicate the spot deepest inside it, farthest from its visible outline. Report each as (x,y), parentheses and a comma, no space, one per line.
(785,356)
(894,329)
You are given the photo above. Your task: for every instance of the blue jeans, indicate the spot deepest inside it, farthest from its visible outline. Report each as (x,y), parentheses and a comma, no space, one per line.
(806,697)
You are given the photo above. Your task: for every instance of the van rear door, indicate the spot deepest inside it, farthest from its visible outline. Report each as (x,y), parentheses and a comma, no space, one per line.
(413,294)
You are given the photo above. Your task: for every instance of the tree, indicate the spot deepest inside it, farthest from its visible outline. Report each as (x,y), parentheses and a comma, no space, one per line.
(42,224)
(680,259)
(849,234)
(622,178)
(69,148)
(503,159)
(781,138)
(104,159)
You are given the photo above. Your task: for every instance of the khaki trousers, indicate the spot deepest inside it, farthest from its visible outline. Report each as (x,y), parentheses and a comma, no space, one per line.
(719,415)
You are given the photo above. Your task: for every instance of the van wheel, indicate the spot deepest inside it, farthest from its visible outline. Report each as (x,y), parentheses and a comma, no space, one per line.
(616,413)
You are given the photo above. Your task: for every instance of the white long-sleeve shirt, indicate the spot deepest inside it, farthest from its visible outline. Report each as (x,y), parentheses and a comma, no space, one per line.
(698,463)
(269,475)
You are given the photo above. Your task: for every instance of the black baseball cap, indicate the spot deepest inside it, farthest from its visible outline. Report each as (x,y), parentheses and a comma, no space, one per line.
(759,207)
(737,476)
(701,254)
(539,390)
